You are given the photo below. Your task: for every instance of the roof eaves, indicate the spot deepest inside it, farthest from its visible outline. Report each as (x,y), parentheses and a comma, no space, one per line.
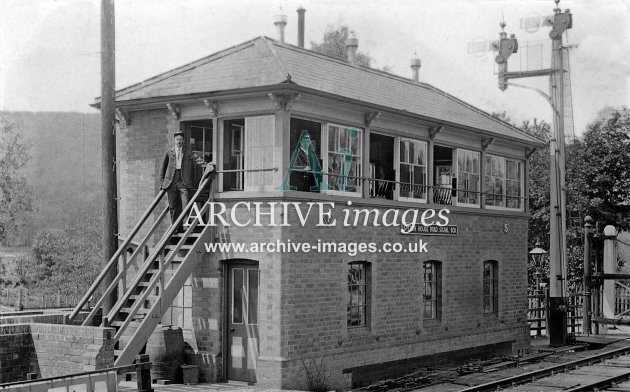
(183,68)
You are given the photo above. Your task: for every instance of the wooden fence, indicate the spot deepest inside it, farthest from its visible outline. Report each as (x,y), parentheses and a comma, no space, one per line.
(36,299)
(537,311)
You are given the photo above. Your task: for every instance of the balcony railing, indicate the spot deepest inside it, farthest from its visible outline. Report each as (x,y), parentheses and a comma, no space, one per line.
(406,191)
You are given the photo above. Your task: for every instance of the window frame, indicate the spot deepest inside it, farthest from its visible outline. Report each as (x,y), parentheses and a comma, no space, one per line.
(398,162)
(459,189)
(366,296)
(358,192)
(227,150)
(492,283)
(436,287)
(504,195)
(318,151)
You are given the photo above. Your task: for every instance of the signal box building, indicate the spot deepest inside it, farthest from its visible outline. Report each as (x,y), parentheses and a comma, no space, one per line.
(451,287)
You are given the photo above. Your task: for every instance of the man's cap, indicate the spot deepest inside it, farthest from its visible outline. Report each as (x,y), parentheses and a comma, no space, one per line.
(178,133)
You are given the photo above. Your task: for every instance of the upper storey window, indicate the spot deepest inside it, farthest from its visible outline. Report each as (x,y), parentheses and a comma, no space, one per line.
(342,161)
(503,182)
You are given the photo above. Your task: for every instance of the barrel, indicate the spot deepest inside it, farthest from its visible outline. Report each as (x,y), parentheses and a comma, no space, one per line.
(166,352)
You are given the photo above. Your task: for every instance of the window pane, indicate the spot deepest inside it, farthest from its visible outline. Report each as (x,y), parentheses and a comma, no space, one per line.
(252,296)
(344,158)
(237,295)
(357,296)
(413,171)
(305,180)
(467,176)
(233,154)
(490,293)
(431,290)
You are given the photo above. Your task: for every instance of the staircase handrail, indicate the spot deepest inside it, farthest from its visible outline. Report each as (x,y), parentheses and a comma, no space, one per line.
(114,259)
(122,274)
(159,247)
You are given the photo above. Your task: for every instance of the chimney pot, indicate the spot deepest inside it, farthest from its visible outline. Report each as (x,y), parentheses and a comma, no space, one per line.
(280,21)
(352,44)
(415,68)
(301,11)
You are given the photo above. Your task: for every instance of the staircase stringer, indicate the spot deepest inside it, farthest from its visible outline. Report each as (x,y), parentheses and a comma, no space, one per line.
(165,298)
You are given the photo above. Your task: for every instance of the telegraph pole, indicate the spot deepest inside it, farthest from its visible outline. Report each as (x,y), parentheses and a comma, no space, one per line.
(108,136)
(558,244)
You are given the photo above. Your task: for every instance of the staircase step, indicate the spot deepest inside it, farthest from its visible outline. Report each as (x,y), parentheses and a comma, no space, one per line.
(144,284)
(150,297)
(191,235)
(138,313)
(183,247)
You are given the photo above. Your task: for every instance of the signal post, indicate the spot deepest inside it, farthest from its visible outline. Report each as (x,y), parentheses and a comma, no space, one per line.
(557,253)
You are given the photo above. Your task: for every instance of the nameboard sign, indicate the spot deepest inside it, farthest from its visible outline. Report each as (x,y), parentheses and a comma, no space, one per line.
(431,230)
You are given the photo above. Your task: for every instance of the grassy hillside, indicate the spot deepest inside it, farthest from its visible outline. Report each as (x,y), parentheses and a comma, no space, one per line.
(65,169)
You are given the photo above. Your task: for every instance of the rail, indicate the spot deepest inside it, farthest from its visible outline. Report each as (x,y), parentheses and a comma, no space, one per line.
(114,260)
(379,188)
(539,373)
(87,381)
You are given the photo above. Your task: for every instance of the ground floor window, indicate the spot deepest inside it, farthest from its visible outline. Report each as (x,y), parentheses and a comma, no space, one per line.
(490,287)
(358,294)
(432,289)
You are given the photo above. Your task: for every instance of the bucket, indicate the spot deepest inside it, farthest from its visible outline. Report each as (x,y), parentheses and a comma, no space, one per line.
(166,352)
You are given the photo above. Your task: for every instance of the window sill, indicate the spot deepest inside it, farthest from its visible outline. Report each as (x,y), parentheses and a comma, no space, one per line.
(361,331)
(432,323)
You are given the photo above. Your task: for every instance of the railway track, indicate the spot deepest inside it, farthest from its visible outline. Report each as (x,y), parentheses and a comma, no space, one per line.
(604,371)
(571,368)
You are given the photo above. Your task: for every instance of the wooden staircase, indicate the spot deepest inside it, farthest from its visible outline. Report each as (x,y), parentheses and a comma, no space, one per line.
(144,297)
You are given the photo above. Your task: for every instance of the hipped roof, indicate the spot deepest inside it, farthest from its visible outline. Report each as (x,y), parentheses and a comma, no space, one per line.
(266,62)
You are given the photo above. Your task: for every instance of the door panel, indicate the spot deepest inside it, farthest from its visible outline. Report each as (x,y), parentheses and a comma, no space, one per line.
(242,331)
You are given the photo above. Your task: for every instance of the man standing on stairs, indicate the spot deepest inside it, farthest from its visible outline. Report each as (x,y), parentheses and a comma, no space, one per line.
(176,175)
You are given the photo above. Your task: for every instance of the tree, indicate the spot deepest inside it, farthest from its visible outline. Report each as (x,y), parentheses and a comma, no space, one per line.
(603,167)
(15,195)
(69,260)
(597,182)
(334,44)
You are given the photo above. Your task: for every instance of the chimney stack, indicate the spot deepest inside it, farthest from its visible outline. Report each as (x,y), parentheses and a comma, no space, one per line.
(415,68)
(301,11)
(280,21)
(352,43)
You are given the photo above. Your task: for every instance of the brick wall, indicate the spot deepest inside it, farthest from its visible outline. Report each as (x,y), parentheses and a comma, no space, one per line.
(141,147)
(53,350)
(315,295)
(303,297)
(16,351)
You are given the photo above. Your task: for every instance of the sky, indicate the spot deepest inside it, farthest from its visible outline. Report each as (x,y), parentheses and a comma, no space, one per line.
(49,49)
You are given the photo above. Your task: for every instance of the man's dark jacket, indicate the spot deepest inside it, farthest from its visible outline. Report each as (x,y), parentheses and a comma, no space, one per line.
(168,167)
